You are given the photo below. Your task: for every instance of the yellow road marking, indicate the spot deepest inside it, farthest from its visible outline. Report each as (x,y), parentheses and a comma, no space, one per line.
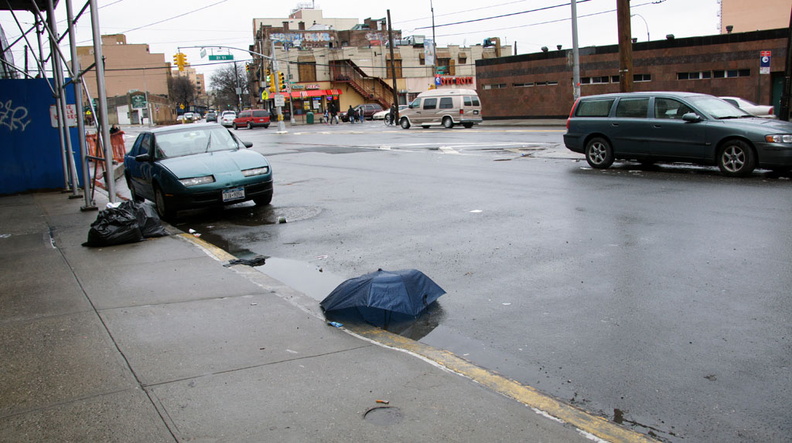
(597,426)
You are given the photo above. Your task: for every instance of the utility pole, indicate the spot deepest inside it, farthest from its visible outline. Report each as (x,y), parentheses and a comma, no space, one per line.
(393,69)
(786,94)
(625,46)
(575,54)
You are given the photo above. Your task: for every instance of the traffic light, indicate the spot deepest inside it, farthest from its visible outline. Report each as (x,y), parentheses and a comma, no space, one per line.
(281,81)
(180,59)
(268,78)
(271,81)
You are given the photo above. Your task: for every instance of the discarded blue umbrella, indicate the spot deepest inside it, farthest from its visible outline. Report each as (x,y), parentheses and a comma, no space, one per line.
(383,296)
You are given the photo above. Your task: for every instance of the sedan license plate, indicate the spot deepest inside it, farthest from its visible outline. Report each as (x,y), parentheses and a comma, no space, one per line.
(230,195)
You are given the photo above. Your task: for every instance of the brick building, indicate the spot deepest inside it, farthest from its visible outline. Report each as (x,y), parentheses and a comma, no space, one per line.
(130,69)
(539,85)
(341,60)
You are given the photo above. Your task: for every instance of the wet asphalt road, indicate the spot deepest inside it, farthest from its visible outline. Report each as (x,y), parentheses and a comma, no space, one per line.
(659,298)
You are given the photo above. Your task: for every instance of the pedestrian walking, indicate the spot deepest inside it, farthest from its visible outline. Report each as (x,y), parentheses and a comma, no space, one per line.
(333,108)
(351,115)
(394,114)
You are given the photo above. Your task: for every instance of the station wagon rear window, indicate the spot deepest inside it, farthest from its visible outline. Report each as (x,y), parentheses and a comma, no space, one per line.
(594,108)
(632,107)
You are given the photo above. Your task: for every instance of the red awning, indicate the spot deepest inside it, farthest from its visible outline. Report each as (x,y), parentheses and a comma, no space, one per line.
(314,93)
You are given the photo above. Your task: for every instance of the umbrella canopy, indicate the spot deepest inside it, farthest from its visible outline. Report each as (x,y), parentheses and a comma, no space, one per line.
(380,293)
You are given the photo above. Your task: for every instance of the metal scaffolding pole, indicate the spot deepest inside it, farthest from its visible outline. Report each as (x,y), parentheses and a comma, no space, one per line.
(102,116)
(78,100)
(69,167)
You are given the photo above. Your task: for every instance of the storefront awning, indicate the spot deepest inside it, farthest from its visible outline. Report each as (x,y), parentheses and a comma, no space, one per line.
(314,93)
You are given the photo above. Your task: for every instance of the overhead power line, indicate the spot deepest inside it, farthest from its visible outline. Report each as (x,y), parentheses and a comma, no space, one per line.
(511,14)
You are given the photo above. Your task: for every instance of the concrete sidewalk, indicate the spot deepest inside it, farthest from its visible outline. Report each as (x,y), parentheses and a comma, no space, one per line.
(158,341)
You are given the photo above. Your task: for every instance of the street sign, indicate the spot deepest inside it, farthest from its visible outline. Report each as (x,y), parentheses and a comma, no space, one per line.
(764,62)
(264,95)
(279,100)
(221,57)
(203,52)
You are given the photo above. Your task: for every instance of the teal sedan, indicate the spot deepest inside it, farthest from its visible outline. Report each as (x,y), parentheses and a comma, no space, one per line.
(195,166)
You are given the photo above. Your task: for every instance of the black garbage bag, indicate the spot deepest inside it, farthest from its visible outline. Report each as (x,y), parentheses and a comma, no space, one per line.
(130,222)
(114,226)
(148,220)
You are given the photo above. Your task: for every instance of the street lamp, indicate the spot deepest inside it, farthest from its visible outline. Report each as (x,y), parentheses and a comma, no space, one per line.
(645,24)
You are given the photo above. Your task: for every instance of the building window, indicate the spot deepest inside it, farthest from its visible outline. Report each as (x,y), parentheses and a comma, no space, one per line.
(496,86)
(524,85)
(597,80)
(642,78)
(698,75)
(731,73)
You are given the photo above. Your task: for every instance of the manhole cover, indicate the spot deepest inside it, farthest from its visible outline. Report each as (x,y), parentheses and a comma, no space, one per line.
(384,415)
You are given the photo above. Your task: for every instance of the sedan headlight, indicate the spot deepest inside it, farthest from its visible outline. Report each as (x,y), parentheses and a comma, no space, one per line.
(195,181)
(779,138)
(255,171)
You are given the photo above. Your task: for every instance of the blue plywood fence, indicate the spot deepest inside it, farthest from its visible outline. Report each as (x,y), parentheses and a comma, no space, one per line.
(30,151)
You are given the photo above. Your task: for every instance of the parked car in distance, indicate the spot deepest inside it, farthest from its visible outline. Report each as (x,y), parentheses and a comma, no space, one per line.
(251,118)
(750,107)
(381,114)
(367,109)
(195,166)
(211,117)
(227,118)
(446,107)
(676,127)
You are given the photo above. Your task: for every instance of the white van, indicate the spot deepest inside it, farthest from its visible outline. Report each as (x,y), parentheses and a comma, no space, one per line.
(447,107)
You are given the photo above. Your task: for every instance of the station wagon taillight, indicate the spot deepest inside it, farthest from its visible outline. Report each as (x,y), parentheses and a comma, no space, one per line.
(571,111)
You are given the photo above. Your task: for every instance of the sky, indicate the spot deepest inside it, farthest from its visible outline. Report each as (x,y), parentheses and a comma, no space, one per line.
(167,25)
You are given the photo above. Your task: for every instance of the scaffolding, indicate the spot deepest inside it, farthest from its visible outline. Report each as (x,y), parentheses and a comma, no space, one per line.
(45,25)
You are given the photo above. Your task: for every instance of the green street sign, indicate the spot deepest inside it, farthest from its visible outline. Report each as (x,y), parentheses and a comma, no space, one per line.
(221,57)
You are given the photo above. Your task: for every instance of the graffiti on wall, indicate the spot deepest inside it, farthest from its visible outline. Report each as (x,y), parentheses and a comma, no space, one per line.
(14,118)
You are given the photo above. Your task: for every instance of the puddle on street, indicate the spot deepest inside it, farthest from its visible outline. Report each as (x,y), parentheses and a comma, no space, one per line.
(312,280)
(309,277)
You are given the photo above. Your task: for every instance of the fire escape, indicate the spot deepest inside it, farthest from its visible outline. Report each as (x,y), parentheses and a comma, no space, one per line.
(371,88)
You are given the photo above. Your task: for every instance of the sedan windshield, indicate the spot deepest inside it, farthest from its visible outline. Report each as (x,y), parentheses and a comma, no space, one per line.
(718,108)
(197,141)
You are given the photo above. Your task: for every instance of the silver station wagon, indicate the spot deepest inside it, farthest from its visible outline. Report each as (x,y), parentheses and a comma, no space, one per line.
(676,127)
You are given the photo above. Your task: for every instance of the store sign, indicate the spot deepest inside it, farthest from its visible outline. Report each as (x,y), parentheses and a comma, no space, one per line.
(453,80)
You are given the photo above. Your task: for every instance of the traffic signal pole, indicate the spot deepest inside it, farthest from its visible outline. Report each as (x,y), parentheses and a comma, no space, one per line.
(281,124)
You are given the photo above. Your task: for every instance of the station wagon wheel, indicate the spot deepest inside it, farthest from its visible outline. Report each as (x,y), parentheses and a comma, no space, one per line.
(467,125)
(164,211)
(448,123)
(599,153)
(405,124)
(235,126)
(736,159)
(250,125)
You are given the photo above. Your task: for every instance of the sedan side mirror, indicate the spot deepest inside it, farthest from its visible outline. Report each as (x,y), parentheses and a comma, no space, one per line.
(691,117)
(143,158)
(248,144)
